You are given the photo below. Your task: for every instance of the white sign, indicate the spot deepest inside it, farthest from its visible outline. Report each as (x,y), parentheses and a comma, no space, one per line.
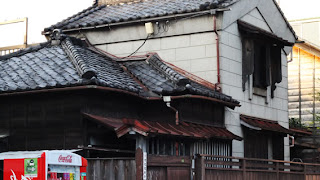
(144,166)
(63,158)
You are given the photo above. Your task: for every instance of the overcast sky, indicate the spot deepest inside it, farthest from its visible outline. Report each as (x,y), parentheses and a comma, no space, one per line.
(43,13)
(300,9)
(40,13)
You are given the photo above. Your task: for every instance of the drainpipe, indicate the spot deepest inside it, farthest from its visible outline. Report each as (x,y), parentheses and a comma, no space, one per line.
(291,56)
(218,51)
(167,100)
(292,141)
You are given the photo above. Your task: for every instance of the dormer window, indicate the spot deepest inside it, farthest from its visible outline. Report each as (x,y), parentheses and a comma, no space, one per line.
(261,59)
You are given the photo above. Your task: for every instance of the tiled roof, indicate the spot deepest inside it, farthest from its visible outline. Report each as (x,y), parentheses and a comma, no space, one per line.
(71,63)
(104,15)
(146,128)
(162,79)
(263,124)
(68,64)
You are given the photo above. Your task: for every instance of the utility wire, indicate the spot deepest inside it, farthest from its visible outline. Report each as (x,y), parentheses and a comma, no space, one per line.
(138,47)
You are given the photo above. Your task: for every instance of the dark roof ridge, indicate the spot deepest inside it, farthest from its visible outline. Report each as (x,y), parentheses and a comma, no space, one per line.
(74,17)
(168,72)
(83,69)
(102,16)
(22,52)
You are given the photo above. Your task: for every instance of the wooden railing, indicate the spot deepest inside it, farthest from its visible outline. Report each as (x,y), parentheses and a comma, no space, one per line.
(10,49)
(223,168)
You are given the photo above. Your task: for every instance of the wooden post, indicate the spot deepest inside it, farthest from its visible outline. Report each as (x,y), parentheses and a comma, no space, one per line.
(25,42)
(305,171)
(277,170)
(244,172)
(200,168)
(139,169)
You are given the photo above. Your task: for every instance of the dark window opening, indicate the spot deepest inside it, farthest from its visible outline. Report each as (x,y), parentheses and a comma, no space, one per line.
(258,144)
(261,76)
(261,57)
(168,146)
(1,169)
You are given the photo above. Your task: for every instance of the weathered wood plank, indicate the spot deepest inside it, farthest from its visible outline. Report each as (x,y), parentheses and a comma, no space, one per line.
(111,169)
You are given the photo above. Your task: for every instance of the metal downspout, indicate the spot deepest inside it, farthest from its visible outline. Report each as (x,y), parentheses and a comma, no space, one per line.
(218,52)
(299,59)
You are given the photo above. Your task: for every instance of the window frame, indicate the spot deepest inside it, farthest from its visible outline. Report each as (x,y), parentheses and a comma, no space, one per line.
(253,37)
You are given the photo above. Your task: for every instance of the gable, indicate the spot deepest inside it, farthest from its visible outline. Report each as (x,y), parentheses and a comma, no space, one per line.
(249,10)
(255,18)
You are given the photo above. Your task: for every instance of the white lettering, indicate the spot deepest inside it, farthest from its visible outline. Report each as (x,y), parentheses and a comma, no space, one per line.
(14,177)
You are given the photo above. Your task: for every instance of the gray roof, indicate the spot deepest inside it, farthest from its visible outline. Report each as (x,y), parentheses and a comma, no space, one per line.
(104,15)
(72,63)
(64,65)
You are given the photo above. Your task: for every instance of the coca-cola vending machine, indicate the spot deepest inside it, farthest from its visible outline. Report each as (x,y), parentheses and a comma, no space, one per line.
(43,165)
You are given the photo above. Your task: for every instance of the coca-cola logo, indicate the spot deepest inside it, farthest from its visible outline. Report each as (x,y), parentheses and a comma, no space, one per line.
(65,159)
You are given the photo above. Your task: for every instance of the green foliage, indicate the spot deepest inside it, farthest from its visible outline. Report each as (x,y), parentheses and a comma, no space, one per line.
(296,123)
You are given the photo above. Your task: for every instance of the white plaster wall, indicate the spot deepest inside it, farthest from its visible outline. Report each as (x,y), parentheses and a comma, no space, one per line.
(189,44)
(231,67)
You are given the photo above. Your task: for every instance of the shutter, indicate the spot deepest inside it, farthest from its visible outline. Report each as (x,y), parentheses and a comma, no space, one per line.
(276,75)
(247,60)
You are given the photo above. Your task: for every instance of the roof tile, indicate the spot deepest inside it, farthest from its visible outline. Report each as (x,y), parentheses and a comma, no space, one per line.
(53,66)
(102,15)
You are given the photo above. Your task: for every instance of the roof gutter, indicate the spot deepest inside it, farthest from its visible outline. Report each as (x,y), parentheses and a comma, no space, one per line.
(175,16)
(229,104)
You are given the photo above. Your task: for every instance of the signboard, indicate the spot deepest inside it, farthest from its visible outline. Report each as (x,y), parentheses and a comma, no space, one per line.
(21,169)
(144,166)
(31,167)
(63,158)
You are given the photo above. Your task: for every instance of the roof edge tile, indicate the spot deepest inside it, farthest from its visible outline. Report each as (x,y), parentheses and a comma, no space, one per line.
(83,69)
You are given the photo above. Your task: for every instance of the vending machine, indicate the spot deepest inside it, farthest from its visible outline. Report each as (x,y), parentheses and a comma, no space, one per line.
(43,165)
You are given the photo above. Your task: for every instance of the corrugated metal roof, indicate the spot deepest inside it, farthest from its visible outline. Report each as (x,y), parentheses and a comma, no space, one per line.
(301,132)
(253,30)
(264,124)
(146,128)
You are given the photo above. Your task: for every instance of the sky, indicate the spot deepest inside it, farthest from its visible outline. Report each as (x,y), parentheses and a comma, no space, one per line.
(297,9)
(44,13)
(40,13)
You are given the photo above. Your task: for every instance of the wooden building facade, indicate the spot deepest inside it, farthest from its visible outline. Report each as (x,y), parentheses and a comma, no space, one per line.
(304,86)
(65,95)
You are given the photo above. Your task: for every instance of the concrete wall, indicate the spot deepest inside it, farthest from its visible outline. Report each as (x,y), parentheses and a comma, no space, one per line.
(231,72)
(191,45)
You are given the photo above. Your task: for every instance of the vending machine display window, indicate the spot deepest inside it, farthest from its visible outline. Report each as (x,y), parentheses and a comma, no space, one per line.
(63,173)
(43,165)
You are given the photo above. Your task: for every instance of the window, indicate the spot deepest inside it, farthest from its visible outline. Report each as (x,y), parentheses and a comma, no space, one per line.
(167,146)
(261,59)
(264,145)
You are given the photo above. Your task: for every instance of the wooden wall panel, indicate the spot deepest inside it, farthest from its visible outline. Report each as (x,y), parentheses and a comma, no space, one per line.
(303,79)
(115,169)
